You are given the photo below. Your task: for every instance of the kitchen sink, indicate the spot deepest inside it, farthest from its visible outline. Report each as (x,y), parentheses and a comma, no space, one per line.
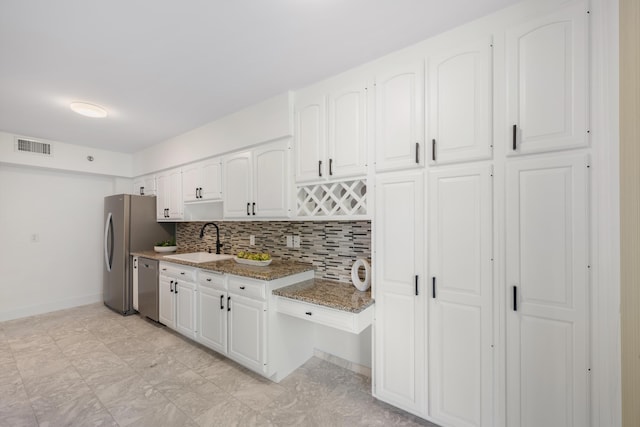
(198,257)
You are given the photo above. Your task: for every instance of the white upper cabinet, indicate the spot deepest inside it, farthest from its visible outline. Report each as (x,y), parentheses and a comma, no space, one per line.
(169,195)
(310,135)
(347,138)
(547,239)
(331,133)
(145,185)
(460,104)
(399,331)
(238,189)
(399,125)
(547,70)
(256,182)
(460,308)
(202,181)
(271,180)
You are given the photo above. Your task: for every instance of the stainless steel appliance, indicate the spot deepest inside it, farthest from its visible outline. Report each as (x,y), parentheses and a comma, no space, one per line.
(129,225)
(148,288)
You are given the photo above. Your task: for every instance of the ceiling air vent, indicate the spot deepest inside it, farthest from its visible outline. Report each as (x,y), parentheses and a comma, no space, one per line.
(30,146)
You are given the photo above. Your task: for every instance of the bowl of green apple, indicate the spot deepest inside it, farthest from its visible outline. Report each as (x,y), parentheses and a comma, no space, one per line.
(165,246)
(253,258)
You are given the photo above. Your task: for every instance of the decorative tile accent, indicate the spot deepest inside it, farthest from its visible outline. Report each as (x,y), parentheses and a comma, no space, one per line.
(330,246)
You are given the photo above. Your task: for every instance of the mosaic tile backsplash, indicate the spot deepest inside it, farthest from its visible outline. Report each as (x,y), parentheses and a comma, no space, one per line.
(331,246)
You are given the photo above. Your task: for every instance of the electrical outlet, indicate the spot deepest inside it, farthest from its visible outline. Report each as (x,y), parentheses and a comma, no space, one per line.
(252,240)
(296,241)
(289,241)
(35,238)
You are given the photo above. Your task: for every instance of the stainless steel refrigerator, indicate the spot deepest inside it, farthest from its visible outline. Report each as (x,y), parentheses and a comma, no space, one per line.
(129,225)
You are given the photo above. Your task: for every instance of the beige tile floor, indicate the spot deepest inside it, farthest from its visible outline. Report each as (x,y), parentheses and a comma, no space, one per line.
(88,366)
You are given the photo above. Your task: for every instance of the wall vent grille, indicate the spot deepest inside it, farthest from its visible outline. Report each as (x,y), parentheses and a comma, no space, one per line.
(35,147)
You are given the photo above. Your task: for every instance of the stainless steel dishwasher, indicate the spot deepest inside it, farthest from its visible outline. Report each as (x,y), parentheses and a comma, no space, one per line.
(148,288)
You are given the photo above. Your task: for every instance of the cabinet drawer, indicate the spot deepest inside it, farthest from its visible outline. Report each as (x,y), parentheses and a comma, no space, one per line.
(211,280)
(339,319)
(178,271)
(247,288)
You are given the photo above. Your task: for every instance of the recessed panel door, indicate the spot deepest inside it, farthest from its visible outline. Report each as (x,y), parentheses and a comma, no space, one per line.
(547,292)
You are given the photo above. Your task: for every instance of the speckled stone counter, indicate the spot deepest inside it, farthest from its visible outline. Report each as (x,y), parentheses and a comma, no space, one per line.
(276,270)
(338,295)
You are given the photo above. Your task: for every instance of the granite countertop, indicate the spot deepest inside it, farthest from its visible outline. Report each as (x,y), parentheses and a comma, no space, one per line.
(276,270)
(338,295)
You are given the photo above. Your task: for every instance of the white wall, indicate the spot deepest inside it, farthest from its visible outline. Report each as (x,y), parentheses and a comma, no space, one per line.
(262,122)
(350,347)
(67,157)
(64,268)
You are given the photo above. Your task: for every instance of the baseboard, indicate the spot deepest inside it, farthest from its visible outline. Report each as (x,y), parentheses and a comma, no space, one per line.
(343,363)
(48,307)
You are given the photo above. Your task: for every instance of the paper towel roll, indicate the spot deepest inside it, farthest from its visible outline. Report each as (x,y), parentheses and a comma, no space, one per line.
(361,285)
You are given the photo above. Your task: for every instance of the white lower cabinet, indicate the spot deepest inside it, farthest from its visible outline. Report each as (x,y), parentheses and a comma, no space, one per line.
(247,331)
(399,329)
(231,315)
(212,311)
(167,302)
(186,308)
(547,292)
(460,356)
(177,298)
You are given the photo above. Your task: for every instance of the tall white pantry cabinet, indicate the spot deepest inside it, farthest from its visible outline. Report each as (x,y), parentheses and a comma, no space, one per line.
(481,225)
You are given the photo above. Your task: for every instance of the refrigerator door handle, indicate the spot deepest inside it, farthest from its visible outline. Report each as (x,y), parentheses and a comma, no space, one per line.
(108,234)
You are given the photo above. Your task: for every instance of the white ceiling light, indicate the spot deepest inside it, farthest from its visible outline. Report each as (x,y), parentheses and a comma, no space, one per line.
(89,110)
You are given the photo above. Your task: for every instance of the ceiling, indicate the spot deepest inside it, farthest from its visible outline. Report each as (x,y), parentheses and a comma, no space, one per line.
(163,67)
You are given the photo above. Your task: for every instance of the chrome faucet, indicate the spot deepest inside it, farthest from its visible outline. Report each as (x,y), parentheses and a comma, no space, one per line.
(218,244)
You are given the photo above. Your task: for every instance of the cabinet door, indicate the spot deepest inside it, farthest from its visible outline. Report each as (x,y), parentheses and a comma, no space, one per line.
(247,332)
(547,67)
(460,119)
(399,330)
(547,313)
(310,136)
(211,183)
(271,181)
(347,141)
(212,319)
(167,302)
(191,181)
(185,295)
(162,196)
(237,186)
(175,194)
(145,186)
(400,116)
(460,306)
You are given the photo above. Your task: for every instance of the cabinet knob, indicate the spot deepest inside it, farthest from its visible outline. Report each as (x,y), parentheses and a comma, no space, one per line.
(242,287)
